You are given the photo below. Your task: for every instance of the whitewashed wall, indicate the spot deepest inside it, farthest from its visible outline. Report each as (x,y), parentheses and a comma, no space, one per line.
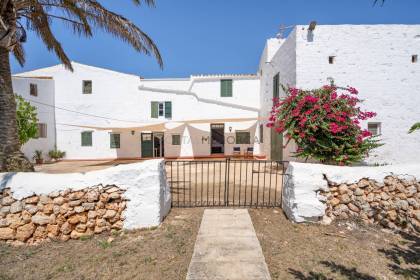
(126,100)
(278,57)
(301,200)
(145,185)
(45,114)
(375,59)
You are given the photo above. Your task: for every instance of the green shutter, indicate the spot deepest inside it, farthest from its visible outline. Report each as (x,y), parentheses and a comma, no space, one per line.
(276,86)
(168,109)
(86,138)
(226,88)
(114,141)
(154,109)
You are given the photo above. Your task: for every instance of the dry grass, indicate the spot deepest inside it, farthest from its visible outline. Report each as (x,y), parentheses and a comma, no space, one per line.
(302,251)
(159,253)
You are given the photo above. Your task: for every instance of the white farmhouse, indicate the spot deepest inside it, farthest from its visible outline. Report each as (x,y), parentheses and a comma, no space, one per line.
(95,113)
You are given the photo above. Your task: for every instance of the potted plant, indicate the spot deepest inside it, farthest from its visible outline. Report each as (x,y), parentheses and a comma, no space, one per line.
(38,157)
(56,155)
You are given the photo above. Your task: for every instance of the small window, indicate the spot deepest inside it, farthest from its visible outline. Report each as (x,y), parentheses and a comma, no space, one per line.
(261,133)
(33,89)
(176,139)
(42,130)
(414,58)
(331,59)
(87,87)
(276,86)
(86,138)
(243,137)
(374,128)
(114,140)
(161,109)
(226,88)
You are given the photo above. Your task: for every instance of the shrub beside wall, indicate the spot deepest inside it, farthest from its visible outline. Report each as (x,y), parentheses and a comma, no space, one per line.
(394,204)
(61,215)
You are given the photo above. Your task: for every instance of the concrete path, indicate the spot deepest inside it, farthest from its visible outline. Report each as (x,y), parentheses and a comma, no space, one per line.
(227,248)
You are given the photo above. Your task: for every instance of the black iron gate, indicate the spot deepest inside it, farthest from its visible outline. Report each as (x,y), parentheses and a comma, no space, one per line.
(226,183)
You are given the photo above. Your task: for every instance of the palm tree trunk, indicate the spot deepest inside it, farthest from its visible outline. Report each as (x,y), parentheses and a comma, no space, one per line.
(11,158)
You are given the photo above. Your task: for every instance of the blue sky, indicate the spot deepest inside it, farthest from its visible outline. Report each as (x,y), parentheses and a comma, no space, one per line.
(209,36)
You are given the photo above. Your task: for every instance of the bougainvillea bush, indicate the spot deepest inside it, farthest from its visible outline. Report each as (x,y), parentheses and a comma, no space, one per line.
(325,124)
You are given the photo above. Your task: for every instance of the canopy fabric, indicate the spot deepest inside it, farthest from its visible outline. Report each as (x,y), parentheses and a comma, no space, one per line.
(167,125)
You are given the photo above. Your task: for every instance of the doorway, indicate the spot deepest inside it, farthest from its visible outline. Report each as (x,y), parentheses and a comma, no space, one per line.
(217,136)
(158,146)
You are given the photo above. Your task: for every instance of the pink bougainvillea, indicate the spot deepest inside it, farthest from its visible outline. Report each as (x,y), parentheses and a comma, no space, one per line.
(324,123)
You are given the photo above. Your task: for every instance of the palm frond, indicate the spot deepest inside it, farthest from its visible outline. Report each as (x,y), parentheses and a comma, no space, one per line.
(19,53)
(41,25)
(415,127)
(82,17)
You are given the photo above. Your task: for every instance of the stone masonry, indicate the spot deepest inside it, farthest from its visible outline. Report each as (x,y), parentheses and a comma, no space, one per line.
(394,204)
(61,215)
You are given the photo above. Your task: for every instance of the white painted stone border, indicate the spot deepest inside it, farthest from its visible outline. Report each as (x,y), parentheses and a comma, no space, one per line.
(301,200)
(145,186)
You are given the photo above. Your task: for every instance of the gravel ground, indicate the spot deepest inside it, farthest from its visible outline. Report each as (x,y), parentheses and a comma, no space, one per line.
(347,251)
(160,253)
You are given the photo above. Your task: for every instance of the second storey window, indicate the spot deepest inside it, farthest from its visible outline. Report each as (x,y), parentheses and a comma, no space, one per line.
(42,130)
(374,128)
(87,87)
(161,109)
(115,140)
(243,137)
(33,89)
(226,88)
(86,138)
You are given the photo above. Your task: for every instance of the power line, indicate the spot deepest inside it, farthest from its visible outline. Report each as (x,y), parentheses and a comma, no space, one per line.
(81,113)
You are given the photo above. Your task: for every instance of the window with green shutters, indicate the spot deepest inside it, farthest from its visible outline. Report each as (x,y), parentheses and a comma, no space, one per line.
(161,109)
(86,138)
(114,140)
(276,86)
(226,88)
(176,139)
(243,137)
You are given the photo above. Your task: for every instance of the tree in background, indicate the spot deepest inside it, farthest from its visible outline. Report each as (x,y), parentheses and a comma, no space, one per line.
(325,124)
(26,119)
(82,17)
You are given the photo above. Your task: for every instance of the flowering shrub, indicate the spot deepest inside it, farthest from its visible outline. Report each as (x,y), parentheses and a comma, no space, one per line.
(324,123)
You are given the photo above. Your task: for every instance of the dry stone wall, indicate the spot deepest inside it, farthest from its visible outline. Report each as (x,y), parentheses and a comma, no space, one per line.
(61,215)
(394,204)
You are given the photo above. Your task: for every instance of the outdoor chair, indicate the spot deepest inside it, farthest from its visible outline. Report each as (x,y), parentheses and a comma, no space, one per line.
(249,152)
(236,151)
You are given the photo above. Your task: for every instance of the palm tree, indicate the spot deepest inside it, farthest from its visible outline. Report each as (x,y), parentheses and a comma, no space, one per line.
(82,17)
